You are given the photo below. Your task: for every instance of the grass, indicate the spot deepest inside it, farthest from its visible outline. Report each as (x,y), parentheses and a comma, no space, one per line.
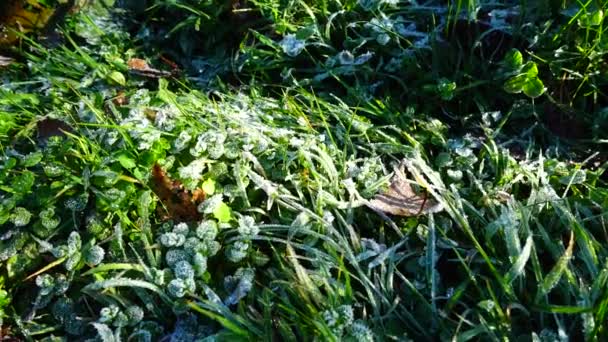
(290,126)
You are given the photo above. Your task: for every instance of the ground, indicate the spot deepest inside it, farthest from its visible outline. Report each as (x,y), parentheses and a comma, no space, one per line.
(288,170)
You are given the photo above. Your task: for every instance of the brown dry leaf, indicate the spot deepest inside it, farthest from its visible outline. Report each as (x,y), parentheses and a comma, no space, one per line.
(22,16)
(6,334)
(141,67)
(138,64)
(180,203)
(120,99)
(400,199)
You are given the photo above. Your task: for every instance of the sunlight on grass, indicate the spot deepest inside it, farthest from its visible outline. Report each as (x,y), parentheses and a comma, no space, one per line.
(166,176)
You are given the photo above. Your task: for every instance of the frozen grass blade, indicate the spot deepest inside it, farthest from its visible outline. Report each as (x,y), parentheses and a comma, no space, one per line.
(553,277)
(518,266)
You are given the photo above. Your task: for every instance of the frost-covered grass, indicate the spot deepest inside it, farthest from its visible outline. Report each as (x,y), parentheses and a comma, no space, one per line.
(290,126)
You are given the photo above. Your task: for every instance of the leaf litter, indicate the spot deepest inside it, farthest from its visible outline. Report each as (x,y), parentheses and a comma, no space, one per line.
(400,198)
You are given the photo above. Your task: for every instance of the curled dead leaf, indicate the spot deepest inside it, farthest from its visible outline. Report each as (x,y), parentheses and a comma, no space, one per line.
(180,203)
(400,198)
(21,16)
(142,68)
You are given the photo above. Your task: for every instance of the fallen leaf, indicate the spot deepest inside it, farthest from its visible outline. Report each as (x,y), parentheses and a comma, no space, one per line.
(169,62)
(179,202)
(400,199)
(141,67)
(6,334)
(137,64)
(120,99)
(21,16)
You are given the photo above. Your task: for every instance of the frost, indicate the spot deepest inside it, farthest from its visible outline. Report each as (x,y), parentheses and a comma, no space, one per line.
(147,139)
(172,239)
(77,203)
(182,141)
(193,245)
(339,318)
(360,332)
(165,118)
(94,256)
(292,46)
(209,142)
(542,196)
(108,313)
(346,58)
(237,251)
(174,256)
(210,248)
(62,309)
(74,243)
(59,251)
(200,264)
(121,320)
(183,270)
(181,229)
(74,325)
(114,197)
(179,287)
(216,151)
(160,276)
(193,171)
(73,261)
(364,58)
(53,170)
(46,283)
(210,204)
(380,29)
(247,227)
(135,314)
(240,284)
(21,217)
(140,335)
(111,138)
(94,226)
(369,5)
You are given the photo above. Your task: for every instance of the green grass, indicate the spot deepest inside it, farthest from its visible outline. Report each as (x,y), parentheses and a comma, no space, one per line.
(291,125)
